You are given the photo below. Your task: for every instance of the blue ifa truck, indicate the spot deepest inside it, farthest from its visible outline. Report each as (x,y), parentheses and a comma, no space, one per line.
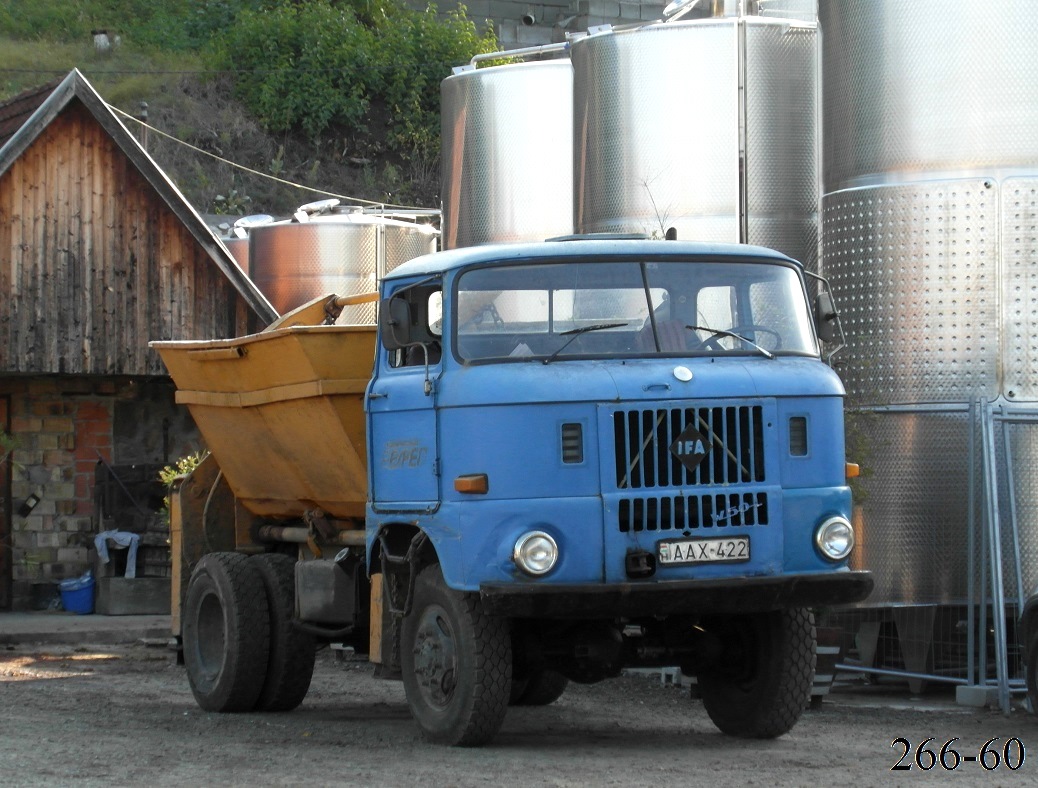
(546,463)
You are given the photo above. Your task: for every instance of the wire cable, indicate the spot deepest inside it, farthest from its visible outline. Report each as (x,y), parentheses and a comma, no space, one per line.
(361,200)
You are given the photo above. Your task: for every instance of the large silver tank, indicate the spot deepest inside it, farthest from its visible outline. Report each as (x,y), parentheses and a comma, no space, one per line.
(507,153)
(706,126)
(929,220)
(294,262)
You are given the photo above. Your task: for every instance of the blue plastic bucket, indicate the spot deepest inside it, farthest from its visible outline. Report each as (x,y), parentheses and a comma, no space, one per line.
(78,597)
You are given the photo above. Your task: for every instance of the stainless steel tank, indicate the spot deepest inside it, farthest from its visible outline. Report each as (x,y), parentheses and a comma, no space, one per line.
(929,220)
(706,126)
(294,262)
(507,153)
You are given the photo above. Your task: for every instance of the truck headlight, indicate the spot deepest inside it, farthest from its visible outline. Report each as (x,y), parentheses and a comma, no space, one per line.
(535,553)
(835,538)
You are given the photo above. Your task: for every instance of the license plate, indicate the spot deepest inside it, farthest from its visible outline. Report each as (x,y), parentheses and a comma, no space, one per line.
(675,552)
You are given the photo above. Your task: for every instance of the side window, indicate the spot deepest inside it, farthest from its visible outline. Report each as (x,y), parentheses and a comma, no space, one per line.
(425,329)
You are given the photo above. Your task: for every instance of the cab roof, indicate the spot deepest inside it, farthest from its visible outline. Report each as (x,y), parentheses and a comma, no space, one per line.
(627,248)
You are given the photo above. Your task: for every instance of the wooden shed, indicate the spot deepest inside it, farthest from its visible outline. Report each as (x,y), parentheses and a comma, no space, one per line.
(99,254)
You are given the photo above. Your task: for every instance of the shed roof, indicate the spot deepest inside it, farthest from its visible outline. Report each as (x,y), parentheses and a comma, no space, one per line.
(15,111)
(36,109)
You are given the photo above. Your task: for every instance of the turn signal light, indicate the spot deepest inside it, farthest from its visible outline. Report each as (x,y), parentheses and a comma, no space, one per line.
(473,483)
(852,470)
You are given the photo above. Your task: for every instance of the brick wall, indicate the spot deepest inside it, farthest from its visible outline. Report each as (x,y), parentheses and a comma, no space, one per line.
(62,426)
(59,434)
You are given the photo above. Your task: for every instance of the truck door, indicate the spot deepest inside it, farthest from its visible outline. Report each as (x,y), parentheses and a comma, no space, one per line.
(403,450)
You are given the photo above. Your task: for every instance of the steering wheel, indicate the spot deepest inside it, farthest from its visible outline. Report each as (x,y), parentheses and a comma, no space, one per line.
(714,342)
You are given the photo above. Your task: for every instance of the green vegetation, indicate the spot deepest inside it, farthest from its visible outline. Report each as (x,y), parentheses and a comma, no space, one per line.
(342,95)
(182,467)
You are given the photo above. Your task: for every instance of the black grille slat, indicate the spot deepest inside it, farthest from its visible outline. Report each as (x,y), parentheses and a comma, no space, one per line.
(693,513)
(733,438)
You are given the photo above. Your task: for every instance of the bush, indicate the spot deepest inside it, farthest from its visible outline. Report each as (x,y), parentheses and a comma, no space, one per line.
(321,65)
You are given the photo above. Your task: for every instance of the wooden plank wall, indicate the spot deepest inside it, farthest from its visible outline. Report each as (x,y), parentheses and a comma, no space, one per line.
(94,263)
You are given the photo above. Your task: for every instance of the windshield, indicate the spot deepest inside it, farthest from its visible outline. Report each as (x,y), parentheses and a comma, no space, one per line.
(559,310)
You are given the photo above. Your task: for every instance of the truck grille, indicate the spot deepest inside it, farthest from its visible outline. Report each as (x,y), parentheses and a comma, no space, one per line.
(733,439)
(681,513)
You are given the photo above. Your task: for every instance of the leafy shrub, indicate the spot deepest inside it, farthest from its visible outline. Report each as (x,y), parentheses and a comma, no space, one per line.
(319,65)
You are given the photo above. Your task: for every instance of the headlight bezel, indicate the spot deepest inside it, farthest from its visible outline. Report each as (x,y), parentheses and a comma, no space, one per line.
(828,531)
(529,564)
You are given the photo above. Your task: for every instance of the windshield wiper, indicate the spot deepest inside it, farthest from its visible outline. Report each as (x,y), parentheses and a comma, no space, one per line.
(720,332)
(573,333)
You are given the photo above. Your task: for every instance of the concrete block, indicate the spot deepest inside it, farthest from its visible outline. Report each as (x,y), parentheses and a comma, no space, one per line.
(137,596)
(533,35)
(976,696)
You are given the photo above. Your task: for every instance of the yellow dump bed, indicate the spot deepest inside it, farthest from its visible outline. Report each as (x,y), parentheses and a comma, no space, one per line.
(283,414)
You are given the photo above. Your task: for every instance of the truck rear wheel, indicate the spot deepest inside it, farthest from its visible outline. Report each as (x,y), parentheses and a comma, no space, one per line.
(290,663)
(540,689)
(762,683)
(457,664)
(226,633)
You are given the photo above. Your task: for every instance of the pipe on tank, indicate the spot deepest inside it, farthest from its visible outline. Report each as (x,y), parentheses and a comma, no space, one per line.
(560,46)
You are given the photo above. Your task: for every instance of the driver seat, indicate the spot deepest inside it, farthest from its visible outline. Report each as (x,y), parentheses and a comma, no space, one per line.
(673,336)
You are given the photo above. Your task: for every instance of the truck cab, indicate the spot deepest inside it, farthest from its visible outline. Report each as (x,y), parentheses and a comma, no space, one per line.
(629,452)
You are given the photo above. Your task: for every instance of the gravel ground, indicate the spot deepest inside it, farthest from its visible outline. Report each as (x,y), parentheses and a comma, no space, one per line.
(126,717)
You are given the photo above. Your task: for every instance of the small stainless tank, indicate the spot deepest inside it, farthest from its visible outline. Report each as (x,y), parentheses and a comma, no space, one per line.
(507,153)
(295,262)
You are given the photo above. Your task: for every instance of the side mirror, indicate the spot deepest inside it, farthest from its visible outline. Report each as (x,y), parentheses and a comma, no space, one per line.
(394,322)
(825,316)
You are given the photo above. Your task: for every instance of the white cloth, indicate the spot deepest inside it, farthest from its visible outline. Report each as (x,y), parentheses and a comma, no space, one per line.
(119,539)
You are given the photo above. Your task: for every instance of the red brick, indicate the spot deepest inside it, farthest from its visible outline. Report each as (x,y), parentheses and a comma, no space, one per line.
(85,445)
(88,427)
(93,411)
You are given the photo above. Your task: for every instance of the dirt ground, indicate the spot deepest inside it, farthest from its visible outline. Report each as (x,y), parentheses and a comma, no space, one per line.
(126,716)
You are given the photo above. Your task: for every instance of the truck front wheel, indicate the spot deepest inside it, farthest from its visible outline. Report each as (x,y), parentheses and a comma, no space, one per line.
(1032,670)
(226,633)
(456,663)
(761,683)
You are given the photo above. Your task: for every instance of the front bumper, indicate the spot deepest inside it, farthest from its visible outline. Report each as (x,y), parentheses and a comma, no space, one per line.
(674,597)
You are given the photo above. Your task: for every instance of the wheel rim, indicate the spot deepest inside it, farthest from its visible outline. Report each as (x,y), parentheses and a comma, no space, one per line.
(212,636)
(435,657)
(738,666)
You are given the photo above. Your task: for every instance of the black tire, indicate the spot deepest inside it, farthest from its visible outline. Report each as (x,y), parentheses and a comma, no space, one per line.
(540,689)
(290,665)
(226,633)
(762,683)
(456,663)
(1032,670)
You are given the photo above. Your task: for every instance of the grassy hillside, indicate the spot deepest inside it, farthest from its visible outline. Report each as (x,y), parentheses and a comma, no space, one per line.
(196,64)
